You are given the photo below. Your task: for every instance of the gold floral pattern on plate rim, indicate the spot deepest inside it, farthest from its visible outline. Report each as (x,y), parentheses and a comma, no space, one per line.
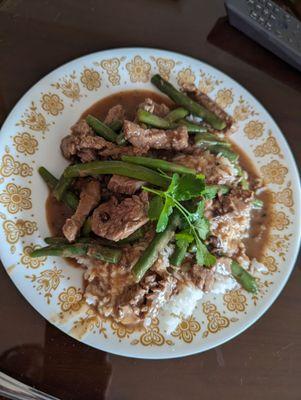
(51,286)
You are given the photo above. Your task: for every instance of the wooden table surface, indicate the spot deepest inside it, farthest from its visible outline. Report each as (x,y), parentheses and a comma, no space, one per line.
(264,362)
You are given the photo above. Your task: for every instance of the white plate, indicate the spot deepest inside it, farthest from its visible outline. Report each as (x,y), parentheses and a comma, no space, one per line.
(31,137)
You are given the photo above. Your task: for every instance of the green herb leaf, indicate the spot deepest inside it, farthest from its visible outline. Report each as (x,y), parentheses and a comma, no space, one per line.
(184,236)
(165,213)
(155,208)
(189,187)
(211,191)
(203,256)
(203,227)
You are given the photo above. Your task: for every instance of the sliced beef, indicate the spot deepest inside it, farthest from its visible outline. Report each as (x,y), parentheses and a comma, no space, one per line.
(116,221)
(176,139)
(89,199)
(201,277)
(114,114)
(125,185)
(143,300)
(229,219)
(116,152)
(81,128)
(208,103)
(83,143)
(161,110)
(237,200)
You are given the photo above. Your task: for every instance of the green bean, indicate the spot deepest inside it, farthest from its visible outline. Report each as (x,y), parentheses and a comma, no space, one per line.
(62,240)
(179,254)
(101,129)
(56,240)
(104,253)
(176,114)
(244,182)
(209,139)
(243,277)
(78,249)
(62,187)
(86,229)
(156,163)
(121,140)
(191,127)
(159,242)
(116,125)
(182,100)
(257,203)
(59,240)
(48,178)
(162,123)
(61,250)
(138,234)
(227,153)
(153,120)
(119,168)
(69,198)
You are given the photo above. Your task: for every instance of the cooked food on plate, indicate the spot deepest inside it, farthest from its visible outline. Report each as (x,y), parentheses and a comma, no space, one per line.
(158,206)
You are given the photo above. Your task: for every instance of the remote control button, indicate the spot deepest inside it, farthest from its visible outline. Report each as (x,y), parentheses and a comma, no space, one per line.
(261,20)
(254,15)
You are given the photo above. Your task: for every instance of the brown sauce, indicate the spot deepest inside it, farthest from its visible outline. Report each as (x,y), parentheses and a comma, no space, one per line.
(57,212)
(260,223)
(129,99)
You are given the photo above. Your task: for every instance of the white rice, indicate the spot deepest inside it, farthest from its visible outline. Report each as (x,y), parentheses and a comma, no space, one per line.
(223,280)
(180,305)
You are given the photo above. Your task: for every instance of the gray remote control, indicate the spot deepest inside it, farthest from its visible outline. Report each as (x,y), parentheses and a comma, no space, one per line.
(269,25)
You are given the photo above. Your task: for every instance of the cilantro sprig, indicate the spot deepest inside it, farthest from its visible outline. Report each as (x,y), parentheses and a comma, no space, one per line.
(184,188)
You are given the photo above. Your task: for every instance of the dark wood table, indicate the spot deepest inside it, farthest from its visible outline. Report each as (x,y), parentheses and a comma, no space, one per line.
(37,36)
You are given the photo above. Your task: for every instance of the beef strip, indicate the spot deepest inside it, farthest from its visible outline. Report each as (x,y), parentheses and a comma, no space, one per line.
(115,152)
(201,277)
(83,143)
(81,128)
(161,110)
(125,185)
(229,219)
(208,103)
(116,221)
(144,299)
(89,199)
(115,113)
(237,200)
(176,139)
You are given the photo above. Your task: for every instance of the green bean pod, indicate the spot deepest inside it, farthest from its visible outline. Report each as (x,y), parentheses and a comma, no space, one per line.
(182,100)
(243,277)
(158,164)
(119,168)
(101,129)
(160,241)
(69,198)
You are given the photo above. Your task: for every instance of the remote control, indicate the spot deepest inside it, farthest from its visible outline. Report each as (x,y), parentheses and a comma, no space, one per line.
(269,25)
